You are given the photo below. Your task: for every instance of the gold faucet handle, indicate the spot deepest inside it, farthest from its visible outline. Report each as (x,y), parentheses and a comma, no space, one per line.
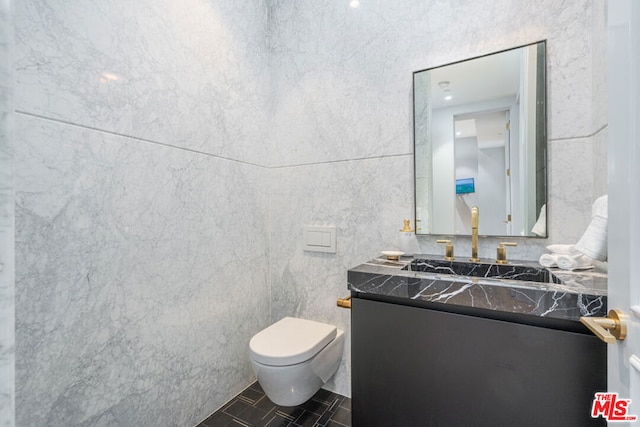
(501,252)
(448,250)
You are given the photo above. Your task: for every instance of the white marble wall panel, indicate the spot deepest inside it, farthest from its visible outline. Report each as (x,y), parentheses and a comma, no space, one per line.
(600,98)
(141,276)
(599,38)
(570,189)
(7,331)
(342,76)
(187,73)
(366,201)
(600,156)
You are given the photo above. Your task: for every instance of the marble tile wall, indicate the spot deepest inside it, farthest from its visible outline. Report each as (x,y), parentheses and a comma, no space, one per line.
(599,69)
(7,288)
(141,208)
(342,135)
(599,99)
(190,75)
(600,156)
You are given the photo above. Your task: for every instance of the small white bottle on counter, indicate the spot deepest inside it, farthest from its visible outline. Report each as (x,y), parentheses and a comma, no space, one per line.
(407,238)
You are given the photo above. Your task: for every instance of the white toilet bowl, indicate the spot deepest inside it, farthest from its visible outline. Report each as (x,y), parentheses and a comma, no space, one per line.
(293,358)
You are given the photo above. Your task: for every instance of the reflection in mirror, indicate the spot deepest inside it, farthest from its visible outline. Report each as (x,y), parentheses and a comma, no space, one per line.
(480,140)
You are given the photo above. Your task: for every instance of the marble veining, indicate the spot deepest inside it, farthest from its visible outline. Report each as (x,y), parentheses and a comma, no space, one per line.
(339,74)
(7,288)
(129,310)
(488,270)
(141,192)
(190,74)
(565,295)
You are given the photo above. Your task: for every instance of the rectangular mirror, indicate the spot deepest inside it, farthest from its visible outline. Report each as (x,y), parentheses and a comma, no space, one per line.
(480,140)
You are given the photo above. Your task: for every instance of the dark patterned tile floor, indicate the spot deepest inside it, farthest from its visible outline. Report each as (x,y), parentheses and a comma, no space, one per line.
(252,408)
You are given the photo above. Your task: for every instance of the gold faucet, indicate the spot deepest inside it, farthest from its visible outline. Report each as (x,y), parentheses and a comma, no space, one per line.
(449,250)
(501,252)
(474,235)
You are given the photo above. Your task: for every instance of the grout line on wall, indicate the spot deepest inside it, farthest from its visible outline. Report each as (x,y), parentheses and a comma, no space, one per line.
(603,127)
(149,141)
(137,138)
(357,159)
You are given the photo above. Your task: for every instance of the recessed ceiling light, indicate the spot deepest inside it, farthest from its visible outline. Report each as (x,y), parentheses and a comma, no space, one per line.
(354,3)
(109,76)
(447,95)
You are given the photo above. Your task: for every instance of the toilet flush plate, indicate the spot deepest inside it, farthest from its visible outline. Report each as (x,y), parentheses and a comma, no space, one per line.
(319,238)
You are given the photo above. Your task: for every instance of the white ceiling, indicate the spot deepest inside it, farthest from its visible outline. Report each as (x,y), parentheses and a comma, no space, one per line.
(488,128)
(480,79)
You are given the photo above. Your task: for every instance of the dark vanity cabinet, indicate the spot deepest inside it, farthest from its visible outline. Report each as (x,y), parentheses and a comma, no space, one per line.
(415,366)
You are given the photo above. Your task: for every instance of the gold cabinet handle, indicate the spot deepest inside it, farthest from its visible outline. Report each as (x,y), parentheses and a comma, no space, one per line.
(344,302)
(608,329)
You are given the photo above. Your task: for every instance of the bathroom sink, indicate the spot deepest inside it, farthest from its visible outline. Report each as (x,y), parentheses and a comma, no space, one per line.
(486,270)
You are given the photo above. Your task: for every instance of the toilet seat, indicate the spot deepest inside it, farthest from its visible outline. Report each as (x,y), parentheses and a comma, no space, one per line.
(290,341)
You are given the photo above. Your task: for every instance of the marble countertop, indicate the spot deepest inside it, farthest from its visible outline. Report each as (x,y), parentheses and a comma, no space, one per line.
(578,293)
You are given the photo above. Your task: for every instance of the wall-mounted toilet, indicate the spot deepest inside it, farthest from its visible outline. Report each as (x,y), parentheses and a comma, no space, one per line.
(294,357)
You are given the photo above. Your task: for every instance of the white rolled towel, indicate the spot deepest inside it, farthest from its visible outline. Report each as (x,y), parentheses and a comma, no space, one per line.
(540,227)
(593,242)
(574,262)
(561,249)
(548,260)
(600,207)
